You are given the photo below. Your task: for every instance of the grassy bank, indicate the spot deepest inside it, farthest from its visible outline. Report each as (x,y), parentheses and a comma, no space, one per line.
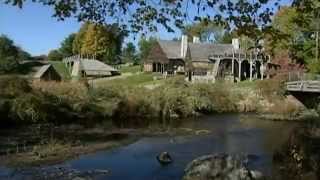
(126,102)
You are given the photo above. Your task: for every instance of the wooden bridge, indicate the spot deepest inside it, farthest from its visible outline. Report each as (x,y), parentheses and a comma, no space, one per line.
(305,87)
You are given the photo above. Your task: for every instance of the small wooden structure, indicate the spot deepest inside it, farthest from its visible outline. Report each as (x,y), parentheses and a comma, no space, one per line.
(80,67)
(207,62)
(47,73)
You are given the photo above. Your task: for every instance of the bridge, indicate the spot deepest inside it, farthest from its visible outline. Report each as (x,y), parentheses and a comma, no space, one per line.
(305,87)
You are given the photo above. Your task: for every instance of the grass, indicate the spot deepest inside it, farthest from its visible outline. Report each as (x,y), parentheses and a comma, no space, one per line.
(130,69)
(60,67)
(134,80)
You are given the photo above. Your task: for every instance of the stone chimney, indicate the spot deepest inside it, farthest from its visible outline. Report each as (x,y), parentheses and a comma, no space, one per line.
(196,39)
(184,46)
(236,43)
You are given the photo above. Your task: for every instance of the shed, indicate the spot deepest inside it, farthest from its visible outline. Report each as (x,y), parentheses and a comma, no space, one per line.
(47,73)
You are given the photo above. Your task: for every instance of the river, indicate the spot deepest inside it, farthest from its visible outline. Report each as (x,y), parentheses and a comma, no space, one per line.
(226,133)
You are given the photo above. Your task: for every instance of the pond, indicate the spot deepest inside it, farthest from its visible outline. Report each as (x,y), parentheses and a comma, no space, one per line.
(227,133)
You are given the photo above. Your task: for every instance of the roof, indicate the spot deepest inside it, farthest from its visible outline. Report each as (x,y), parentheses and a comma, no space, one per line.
(42,70)
(198,51)
(171,48)
(202,51)
(95,67)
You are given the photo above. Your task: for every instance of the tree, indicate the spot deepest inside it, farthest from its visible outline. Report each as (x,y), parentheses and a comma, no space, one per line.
(138,15)
(102,42)
(145,45)
(55,55)
(66,48)
(23,55)
(129,53)
(293,34)
(206,31)
(9,54)
(77,42)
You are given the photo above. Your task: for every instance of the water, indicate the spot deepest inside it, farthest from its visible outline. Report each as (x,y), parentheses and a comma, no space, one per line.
(229,133)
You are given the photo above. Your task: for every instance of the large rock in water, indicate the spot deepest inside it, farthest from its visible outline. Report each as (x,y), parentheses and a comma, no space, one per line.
(220,167)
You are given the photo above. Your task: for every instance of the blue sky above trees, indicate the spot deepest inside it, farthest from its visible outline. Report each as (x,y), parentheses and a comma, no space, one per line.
(35,30)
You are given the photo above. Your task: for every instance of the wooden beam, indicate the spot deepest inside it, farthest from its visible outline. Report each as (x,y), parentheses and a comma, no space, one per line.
(251,66)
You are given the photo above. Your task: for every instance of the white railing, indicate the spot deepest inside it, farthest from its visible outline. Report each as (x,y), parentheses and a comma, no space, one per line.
(305,86)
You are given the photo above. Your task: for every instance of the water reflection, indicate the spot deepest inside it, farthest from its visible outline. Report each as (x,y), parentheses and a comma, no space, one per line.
(230,133)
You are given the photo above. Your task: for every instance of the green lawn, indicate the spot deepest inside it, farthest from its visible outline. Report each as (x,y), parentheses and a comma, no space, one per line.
(134,80)
(130,69)
(60,67)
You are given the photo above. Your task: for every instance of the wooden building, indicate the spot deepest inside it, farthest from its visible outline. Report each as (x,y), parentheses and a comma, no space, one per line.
(47,73)
(205,61)
(80,67)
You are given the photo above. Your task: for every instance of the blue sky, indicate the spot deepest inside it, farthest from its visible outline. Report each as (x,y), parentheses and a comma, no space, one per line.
(35,30)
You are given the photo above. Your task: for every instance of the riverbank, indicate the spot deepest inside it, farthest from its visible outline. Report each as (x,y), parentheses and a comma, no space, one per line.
(136,106)
(117,107)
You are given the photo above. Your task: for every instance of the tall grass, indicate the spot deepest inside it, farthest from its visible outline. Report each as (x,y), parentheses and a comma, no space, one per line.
(128,105)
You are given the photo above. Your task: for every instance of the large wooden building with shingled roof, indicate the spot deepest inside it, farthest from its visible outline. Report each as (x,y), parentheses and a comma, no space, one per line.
(206,61)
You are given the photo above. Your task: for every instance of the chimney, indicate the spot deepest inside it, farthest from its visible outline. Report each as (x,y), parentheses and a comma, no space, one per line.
(184,46)
(235,43)
(196,39)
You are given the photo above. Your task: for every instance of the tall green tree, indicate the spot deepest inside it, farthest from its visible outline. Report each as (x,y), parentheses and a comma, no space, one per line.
(9,54)
(55,55)
(78,40)
(294,34)
(145,46)
(66,48)
(129,53)
(206,31)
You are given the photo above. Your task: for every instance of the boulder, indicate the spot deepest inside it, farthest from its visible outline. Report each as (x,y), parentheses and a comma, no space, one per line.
(164,158)
(220,167)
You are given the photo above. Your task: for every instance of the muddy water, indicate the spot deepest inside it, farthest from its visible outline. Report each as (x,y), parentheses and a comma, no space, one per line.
(227,133)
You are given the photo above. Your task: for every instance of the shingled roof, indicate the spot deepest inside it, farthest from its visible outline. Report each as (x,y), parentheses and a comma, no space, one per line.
(198,51)
(171,48)
(42,70)
(94,67)
(202,51)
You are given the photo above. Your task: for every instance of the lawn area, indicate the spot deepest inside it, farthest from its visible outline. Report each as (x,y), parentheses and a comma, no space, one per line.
(134,80)
(60,67)
(130,69)
(140,79)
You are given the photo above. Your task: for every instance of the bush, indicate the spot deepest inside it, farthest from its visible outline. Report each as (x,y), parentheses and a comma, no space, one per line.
(270,88)
(213,97)
(12,86)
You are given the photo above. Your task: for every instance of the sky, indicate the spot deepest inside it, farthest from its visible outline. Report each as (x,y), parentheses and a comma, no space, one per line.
(35,30)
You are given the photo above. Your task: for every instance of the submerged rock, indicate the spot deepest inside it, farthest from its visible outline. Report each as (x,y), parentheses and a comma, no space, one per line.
(164,158)
(220,167)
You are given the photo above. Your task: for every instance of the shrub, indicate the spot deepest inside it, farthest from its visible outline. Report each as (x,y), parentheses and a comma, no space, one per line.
(270,88)
(28,108)
(213,97)
(70,91)
(12,86)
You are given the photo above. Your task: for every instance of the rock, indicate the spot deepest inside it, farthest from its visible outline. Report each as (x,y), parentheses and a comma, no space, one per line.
(164,158)
(220,167)
(101,171)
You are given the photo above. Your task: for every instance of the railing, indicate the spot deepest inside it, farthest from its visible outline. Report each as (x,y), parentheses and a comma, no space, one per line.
(302,76)
(303,82)
(305,86)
